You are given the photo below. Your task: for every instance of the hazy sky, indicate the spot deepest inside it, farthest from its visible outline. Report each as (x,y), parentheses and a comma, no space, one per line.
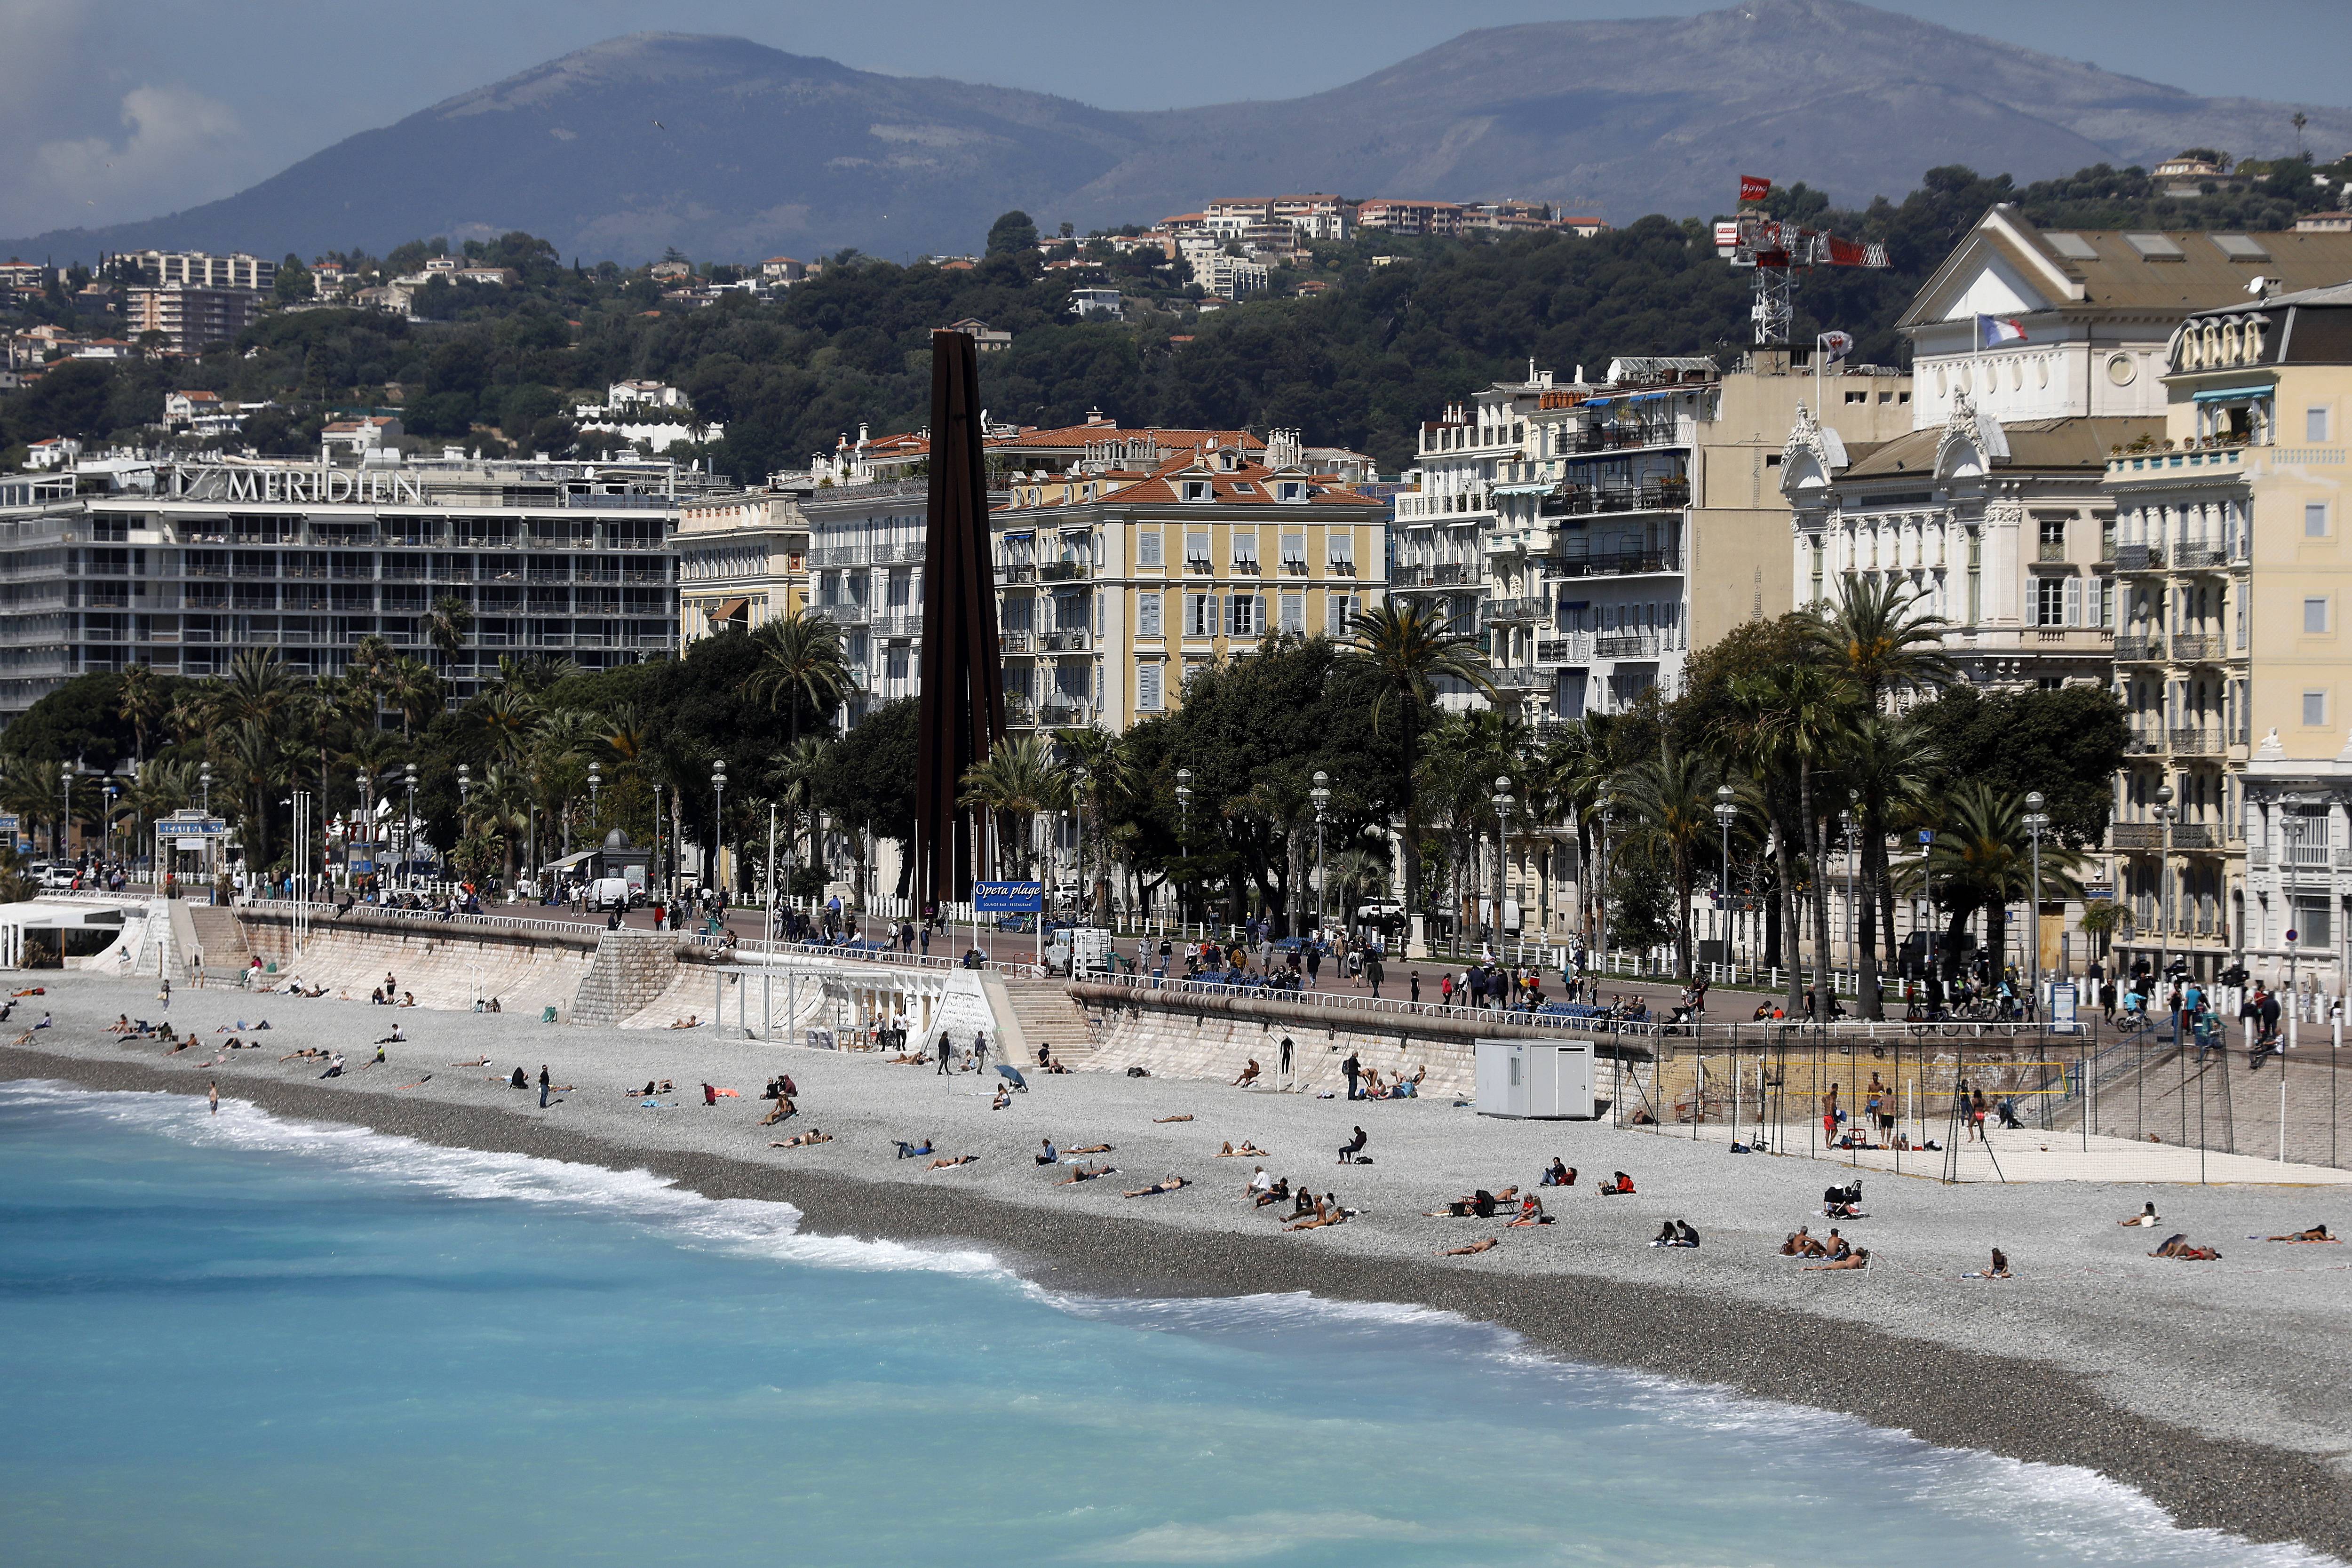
(113,110)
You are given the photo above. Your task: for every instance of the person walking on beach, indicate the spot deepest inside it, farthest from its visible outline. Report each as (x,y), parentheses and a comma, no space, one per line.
(213,1096)
(980,1051)
(945,1051)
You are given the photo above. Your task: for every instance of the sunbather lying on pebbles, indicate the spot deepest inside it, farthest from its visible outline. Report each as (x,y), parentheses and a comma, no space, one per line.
(666,1087)
(1170,1185)
(1860,1260)
(803,1140)
(1484,1244)
(2178,1245)
(949,1162)
(304,1055)
(689,1022)
(1163,1121)
(1087,1174)
(910,1151)
(485,1061)
(1248,1151)
(1326,1212)
(2316,1233)
(1087,1149)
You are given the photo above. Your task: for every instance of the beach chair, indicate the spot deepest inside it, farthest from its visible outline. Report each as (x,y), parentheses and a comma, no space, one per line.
(1011,1075)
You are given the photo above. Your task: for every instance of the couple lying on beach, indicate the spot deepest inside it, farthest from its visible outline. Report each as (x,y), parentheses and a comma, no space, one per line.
(1049,1156)
(2177,1244)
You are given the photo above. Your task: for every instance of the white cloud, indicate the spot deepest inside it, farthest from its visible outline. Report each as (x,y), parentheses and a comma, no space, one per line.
(169,155)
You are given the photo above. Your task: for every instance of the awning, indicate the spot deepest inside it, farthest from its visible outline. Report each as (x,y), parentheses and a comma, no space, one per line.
(1021,533)
(2231,393)
(569,861)
(728,609)
(1541,489)
(1647,398)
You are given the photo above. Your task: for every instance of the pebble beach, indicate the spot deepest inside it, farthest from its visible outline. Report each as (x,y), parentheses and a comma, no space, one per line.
(2215,1387)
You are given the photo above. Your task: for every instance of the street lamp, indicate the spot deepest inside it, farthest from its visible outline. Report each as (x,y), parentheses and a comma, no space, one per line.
(204,779)
(106,823)
(1322,796)
(65,805)
(718,824)
(663,887)
(1184,841)
(1852,921)
(1501,800)
(408,827)
(1078,797)
(1726,810)
(2035,821)
(596,782)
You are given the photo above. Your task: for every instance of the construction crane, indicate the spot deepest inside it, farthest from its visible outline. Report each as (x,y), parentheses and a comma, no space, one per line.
(1778,250)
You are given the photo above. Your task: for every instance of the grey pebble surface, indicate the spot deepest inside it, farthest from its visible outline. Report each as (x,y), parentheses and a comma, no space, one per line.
(2217,1388)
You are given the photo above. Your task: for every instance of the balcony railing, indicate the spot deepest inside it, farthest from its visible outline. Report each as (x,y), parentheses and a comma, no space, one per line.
(2145,744)
(2195,742)
(2136,834)
(1070,641)
(1016,572)
(1575,647)
(2052,550)
(1064,713)
(2139,558)
(1585,500)
(1494,611)
(1016,642)
(1520,678)
(2193,836)
(2198,649)
(2198,557)
(1631,645)
(841,614)
(2139,650)
(1065,570)
(1616,563)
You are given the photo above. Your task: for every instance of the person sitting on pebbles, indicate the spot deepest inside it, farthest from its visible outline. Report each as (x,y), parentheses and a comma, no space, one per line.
(2146,1218)
(1803,1243)
(1249,1075)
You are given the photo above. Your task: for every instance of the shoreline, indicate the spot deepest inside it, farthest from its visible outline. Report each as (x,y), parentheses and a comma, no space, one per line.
(2014,1406)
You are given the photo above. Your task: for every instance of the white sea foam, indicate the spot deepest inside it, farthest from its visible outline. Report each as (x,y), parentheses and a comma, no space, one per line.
(2079,1513)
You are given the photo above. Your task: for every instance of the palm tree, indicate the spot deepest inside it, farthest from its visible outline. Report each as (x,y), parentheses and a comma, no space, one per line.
(1019,780)
(1982,859)
(1793,717)
(410,685)
(1886,762)
(260,687)
(502,720)
(1878,638)
(795,779)
(1405,648)
(373,661)
(1107,779)
(1670,803)
(535,673)
(141,703)
(1577,774)
(445,626)
(254,760)
(801,658)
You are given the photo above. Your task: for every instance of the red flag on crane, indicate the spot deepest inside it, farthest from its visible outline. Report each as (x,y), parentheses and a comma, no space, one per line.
(1753,189)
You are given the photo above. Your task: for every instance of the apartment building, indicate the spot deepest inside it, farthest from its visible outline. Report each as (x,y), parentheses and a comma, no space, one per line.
(742,561)
(189,316)
(184,565)
(866,547)
(200,269)
(1594,533)
(2231,654)
(1137,565)
(2038,354)
(1440,218)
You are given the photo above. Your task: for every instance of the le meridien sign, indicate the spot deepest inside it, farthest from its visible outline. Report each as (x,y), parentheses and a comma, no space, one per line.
(316,486)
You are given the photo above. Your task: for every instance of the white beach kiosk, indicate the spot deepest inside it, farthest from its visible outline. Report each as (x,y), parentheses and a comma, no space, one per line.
(1538,1079)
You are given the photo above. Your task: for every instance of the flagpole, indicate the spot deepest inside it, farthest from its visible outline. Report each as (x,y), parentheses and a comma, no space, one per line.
(1821,414)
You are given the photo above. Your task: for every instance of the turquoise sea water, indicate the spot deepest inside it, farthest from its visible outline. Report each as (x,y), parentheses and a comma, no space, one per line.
(248,1341)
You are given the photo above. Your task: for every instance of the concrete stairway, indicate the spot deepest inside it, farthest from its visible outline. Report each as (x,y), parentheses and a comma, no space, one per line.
(1046,1014)
(219,938)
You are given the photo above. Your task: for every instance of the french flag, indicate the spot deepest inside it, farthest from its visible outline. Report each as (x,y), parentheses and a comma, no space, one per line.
(1993,331)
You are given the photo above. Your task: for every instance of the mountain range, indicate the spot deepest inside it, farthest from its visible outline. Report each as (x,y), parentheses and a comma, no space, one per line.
(723,148)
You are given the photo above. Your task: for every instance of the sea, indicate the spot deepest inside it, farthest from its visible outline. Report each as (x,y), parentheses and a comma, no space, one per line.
(242,1340)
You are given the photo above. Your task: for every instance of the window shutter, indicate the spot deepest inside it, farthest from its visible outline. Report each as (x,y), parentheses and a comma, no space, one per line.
(2073,601)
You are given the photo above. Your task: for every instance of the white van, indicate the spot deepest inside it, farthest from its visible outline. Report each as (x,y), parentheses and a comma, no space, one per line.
(609,894)
(1078,952)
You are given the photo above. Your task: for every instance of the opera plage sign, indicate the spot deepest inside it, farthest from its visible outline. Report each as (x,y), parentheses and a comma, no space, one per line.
(311,486)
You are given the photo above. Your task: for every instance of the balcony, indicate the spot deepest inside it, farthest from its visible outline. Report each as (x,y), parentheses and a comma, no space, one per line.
(898,554)
(1065,570)
(1616,563)
(2145,744)
(1492,612)
(2135,835)
(2193,836)
(1575,647)
(2197,649)
(2139,558)
(2052,550)
(1059,712)
(1018,714)
(1631,645)
(841,614)
(1587,500)
(898,623)
(2139,650)
(1519,678)
(1016,572)
(1020,642)
(2194,742)
(2198,557)
(1064,641)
